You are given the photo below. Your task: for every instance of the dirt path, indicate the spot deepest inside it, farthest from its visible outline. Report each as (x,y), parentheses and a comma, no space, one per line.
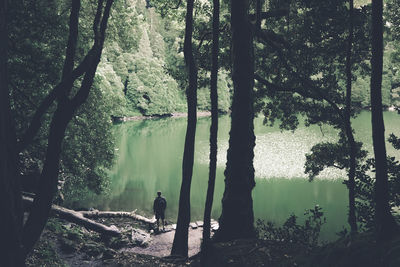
(161,244)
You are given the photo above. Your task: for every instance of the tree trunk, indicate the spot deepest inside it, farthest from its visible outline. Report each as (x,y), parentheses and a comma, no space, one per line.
(78,218)
(348,129)
(213,132)
(180,244)
(118,214)
(237,218)
(48,180)
(10,193)
(65,111)
(384,221)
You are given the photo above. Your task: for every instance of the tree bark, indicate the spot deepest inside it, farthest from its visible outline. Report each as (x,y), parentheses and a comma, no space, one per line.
(65,111)
(116,214)
(213,132)
(78,218)
(237,218)
(348,129)
(180,244)
(10,192)
(385,224)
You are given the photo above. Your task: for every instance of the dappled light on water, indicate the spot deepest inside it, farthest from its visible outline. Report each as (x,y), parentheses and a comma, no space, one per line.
(281,154)
(150,159)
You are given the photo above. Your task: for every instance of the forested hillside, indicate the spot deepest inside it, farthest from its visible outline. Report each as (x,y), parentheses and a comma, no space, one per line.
(143,59)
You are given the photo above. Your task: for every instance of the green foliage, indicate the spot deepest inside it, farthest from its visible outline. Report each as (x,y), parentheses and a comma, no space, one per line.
(291,231)
(151,90)
(395,141)
(110,87)
(301,56)
(393,15)
(396,97)
(359,250)
(45,254)
(304,64)
(365,184)
(45,251)
(146,66)
(88,149)
(224,94)
(38,33)
(174,16)
(324,155)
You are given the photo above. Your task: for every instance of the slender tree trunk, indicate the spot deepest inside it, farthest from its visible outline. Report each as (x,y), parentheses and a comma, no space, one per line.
(10,193)
(237,218)
(258,16)
(213,131)
(66,109)
(384,221)
(180,244)
(348,129)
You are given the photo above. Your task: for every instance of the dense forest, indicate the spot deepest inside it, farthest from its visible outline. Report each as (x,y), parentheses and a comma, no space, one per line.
(70,69)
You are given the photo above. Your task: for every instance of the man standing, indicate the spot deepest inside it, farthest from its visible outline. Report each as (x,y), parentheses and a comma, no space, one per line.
(159,209)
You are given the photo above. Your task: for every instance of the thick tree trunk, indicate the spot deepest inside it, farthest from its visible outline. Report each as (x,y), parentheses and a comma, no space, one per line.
(10,193)
(348,129)
(384,221)
(237,218)
(213,132)
(180,244)
(78,218)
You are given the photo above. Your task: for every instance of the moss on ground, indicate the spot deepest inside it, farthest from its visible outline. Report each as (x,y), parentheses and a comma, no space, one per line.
(66,244)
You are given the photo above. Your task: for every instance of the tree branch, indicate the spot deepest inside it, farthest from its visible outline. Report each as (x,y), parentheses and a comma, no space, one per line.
(209,33)
(62,116)
(320,96)
(281,88)
(97,48)
(72,39)
(271,38)
(306,82)
(269,14)
(35,122)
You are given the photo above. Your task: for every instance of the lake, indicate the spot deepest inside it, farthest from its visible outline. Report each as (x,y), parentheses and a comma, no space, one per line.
(149,158)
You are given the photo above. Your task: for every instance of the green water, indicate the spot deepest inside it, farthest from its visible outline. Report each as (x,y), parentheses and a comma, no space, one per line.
(150,156)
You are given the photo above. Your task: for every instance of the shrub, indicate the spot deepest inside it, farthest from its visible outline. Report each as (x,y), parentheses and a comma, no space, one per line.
(291,231)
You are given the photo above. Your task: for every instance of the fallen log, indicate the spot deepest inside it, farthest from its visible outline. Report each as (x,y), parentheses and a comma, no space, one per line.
(78,218)
(114,214)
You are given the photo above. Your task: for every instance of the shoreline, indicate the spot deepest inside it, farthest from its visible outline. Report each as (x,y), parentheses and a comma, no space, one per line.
(200,114)
(170,115)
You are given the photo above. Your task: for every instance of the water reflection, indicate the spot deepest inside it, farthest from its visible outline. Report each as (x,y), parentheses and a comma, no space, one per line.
(150,158)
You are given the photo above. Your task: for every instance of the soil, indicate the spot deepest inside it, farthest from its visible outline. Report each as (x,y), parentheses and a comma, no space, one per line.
(161,244)
(67,244)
